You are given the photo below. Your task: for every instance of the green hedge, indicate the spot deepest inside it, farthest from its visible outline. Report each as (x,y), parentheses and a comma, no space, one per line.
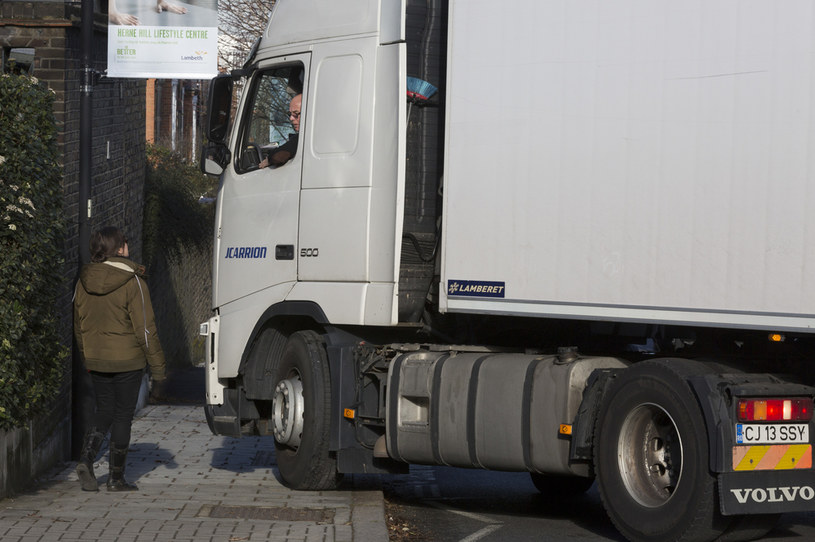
(173,217)
(31,240)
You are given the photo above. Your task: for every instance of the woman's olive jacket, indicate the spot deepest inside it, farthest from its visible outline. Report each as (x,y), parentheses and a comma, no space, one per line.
(114,325)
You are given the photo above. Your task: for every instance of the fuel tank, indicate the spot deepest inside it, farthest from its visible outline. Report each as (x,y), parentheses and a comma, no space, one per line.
(485,409)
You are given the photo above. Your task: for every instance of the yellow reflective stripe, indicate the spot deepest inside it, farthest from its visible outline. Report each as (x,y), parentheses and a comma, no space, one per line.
(768,457)
(791,459)
(751,458)
(803,456)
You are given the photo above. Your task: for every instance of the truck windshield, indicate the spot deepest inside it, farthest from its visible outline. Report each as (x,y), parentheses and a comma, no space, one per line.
(268,127)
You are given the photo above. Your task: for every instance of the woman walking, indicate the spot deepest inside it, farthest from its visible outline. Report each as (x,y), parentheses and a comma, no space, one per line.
(116,335)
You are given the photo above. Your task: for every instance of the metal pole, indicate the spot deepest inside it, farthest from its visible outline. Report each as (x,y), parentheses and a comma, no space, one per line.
(82,388)
(85,130)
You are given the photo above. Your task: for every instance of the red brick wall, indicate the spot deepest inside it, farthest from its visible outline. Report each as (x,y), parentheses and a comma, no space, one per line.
(188,111)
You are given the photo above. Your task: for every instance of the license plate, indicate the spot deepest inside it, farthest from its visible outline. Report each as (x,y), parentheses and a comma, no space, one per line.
(777,433)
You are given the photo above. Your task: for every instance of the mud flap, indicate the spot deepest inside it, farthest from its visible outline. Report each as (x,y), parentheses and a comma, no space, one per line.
(767,492)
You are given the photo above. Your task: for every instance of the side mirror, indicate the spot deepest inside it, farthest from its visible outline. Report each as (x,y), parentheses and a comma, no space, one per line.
(214,158)
(215,155)
(219,108)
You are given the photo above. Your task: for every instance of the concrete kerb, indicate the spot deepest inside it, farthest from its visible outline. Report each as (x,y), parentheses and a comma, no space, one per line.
(368,516)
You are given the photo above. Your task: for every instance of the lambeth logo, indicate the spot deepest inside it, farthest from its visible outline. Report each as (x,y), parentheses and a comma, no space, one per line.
(475,288)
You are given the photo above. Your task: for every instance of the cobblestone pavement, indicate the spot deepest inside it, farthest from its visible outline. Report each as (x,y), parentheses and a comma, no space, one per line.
(193,486)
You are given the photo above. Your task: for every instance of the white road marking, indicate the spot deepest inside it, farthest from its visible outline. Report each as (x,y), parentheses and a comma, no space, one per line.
(478,535)
(492,526)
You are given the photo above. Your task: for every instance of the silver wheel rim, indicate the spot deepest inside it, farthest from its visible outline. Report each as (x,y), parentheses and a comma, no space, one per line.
(288,411)
(649,455)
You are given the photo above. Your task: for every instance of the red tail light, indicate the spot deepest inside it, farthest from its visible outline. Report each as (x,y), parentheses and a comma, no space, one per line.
(798,409)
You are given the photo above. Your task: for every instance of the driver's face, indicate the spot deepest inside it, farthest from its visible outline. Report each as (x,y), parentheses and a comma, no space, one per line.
(294,112)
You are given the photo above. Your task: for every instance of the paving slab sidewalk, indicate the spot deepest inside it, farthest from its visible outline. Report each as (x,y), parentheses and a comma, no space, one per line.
(193,486)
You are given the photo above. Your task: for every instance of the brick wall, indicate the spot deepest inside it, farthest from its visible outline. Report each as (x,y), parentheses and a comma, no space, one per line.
(52,28)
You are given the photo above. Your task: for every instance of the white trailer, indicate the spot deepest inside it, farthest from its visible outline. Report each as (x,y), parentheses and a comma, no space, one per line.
(568,238)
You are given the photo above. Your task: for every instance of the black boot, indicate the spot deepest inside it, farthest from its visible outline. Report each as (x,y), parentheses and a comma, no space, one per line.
(116,480)
(84,469)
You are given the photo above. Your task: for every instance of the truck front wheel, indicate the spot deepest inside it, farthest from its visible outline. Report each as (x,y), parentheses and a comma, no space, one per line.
(651,456)
(301,414)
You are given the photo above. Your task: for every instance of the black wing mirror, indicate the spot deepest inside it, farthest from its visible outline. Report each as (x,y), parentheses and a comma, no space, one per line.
(216,155)
(219,109)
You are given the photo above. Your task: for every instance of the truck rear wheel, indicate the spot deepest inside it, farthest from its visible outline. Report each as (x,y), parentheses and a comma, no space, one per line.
(651,456)
(301,414)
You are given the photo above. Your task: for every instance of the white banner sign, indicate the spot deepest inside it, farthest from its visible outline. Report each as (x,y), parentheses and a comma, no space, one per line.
(169,39)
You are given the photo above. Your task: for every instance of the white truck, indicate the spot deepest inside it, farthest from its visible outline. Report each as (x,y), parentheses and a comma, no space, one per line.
(568,238)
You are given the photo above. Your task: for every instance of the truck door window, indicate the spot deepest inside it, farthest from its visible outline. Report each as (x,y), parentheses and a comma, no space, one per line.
(270,132)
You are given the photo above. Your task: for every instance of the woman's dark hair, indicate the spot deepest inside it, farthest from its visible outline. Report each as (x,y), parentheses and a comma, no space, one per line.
(106,243)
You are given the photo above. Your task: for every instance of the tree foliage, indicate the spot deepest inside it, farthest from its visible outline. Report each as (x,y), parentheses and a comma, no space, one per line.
(31,240)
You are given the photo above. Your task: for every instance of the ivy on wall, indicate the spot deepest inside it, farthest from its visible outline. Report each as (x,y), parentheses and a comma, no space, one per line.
(31,240)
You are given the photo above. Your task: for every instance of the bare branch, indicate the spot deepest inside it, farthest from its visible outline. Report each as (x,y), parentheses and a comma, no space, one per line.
(241,23)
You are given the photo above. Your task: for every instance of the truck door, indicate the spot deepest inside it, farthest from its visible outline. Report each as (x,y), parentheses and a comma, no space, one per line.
(260,195)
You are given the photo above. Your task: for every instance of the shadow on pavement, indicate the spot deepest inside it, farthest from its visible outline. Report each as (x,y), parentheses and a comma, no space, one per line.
(185,386)
(154,455)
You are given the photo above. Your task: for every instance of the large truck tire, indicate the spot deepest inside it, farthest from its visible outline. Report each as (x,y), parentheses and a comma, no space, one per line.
(651,456)
(301,414)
